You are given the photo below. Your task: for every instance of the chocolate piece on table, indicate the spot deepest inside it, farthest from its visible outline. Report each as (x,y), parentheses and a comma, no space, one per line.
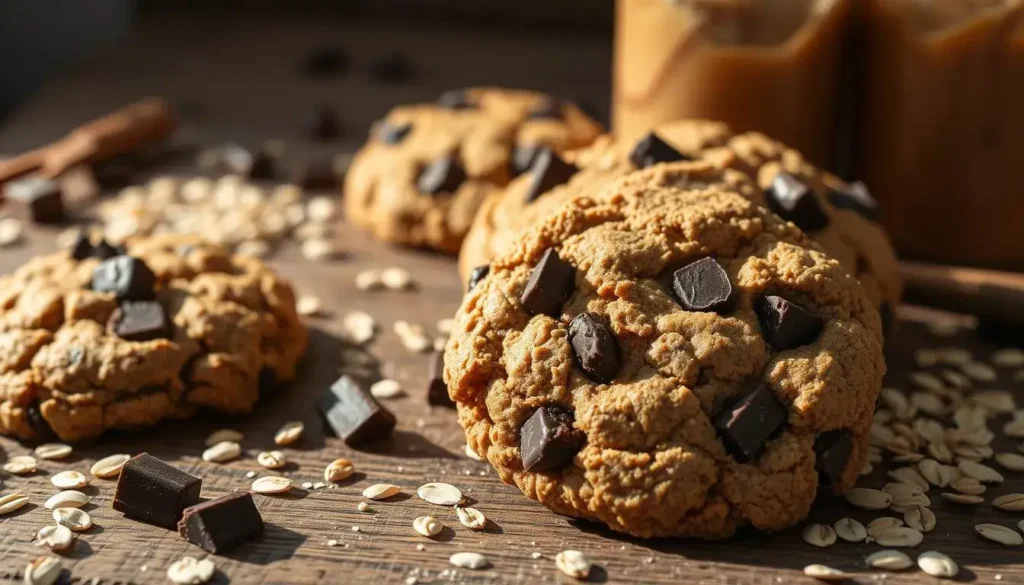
(857,198)
(323,124)
(703,286)
(152,491)
(455,99)
(42,200)
(437,390)
(354,414)
(792,200)
(651,150)
(522,158)
(392,68)
(264,166)
(594,348)
(126,276)
(82,247)
(220,525)
(784,324)
(548,440)
(745,426)
(551,282)
(549,171)
(444,175)
(139,321)
(393,133)
(325,61)
(103,250)
(476,275)
(832,450)
(550,108)
(314,174)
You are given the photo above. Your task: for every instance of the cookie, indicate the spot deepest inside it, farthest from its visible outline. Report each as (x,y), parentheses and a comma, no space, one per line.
(426,169)
(668,358)
(99,338)
(842,217)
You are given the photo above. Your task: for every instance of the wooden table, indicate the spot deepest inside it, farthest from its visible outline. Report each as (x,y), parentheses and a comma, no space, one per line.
(241,84)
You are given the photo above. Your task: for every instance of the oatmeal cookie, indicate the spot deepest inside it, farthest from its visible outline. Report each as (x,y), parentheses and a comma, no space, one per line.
(100,337)
(426,169)
(842,217)
(670,359)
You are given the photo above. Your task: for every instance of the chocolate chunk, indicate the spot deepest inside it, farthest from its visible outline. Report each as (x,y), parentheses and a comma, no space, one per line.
(703,286)
(127,277)
(792,200)
(594,347)
(220,525)
(550,108)
(39,425)
(548,171)
(103,250)
(323,124)
(354,414)
(82,247)
(856,198)
(444,175)
(832,450)
(786,325)
(392,134)
(888,317)
(522,158)
(152,491)
(547,440)
(745,426)
(437,390)
(314,174)
(325,61)
(551,282)
(651,150)
(455,99)
(476,275)
(42,200)
(139,321)
(391,68)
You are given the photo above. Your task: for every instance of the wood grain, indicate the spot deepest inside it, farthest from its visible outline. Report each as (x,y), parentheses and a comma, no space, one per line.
(262,99)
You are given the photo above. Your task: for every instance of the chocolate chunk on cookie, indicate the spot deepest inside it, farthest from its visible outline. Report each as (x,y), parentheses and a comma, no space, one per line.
(855,197)
(476,275)
(651,150)
(548,440)
(794,201)
(832,451)
(548,170)
(550,284)
(444,175)
(747,425)
(703,286)
(784,324)
(594,347)
(128,278)
(139,321)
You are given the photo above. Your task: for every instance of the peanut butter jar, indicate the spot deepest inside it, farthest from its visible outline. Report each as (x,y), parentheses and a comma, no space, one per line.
(771,66)
(942,132)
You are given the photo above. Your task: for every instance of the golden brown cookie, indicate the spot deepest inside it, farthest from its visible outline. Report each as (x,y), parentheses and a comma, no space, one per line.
(426,169)
(839,216)
(98,338)
(670,359)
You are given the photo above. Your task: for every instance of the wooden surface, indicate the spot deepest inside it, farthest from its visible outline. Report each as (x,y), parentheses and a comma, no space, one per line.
(241,84)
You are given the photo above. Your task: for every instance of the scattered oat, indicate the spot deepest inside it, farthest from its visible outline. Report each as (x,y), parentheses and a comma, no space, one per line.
(368,280)
(820,535)
(471,518)
(66,499)
(396,278)
(937,474)
(573,563)
(309,306)
(427,526)
(1010,357)
(339,470)
(363,507)
(320,209)
(355,529)
(850,530)
(109,467)
(386,388)
(920,518)
(75,519)
(979,471)
(332,542)
(271,459)
(1009,502)
(272,484)
(824,573)
(318,249)
(472,454)
(881,524)
(900,536)
(469,560)
(1011,461)
(889,560)
(307,485)
(250,474)
(222,452)
(221,435)
(359,327)
(69,480)
(56,538)
(53,451)
(289,433)
(11,231)
(189,571)
(926,380)
(937,564)
(43,571)
(381,491)
(868,499)
(911,476)
(1000,534)
(412,336)
(980,371)
(441,494)
(21,465)
(11,502)
(963,499)
(967,485)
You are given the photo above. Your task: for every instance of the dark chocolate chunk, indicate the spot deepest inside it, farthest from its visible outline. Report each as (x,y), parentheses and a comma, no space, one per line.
(393,133)
(522,158)
(792,200)
(857,198)
(40,427)
(139,321)
(41,199)
(314,174)
(551,282)
(784,324)
(82,247)
(594,347)
(220,525)
(391,68)
(476,275)
(264,166)
(703,286)
(152,491)
(550,108)
(745,426)
(549,171)
(888,317)
(548,440)
(437,390)
(354,414)
(455,99)
(325,61)
(126,276)
(831,450)
(323,123)
(651,150)
(444,175)
(103,250)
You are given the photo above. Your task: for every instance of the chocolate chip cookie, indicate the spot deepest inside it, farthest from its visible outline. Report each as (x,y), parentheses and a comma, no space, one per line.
(426,169)
(668,358)
(842,217)
(101,337)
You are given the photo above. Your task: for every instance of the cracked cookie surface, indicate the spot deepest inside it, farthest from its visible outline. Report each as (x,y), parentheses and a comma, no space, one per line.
(581,378)
(228,326)
(848,231)
(426,169)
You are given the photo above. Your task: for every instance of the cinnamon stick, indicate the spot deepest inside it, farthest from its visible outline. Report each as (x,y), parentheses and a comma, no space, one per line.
(989,294)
